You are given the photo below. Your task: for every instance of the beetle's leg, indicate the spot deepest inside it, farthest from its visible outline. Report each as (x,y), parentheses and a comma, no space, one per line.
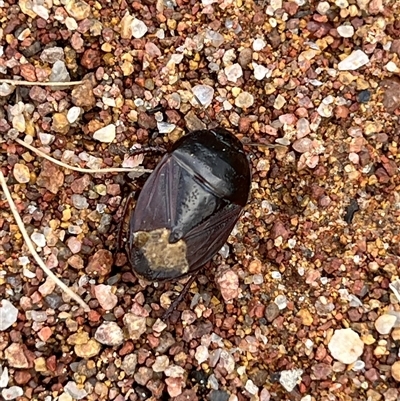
(121,223)
(147,149)
(179,298)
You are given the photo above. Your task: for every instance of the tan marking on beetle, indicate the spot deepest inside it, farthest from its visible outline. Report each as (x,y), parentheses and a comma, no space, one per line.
(159,252)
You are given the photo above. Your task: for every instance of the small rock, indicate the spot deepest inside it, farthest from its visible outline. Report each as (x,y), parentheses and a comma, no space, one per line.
(79,202)
(4,377)
(59,72)
(204,94)
(15,356)
(100,263)
(51,177)
(87,350)
(73,114)
(109,333)
(60,123)
(233,72)
(8,314)
(139,28)
(258,45)
(280,101)
(91,59)
(106,298)
(245,57)
(74,391)
(12,393)
(6,89)
(303,145)
(201,354)
(244,100)
(385,323)
(271,312)
(136,325)
(215,38)
(74,245)
(77,9)
(21,173)
(260,72)
(82,95)
(290,378)
(52,54)
(228,282)
(218,395)
(106,134)
(345,31)
(129,364)
(354,61)
(395,370)
(39,239)
(346,346)
(161,363)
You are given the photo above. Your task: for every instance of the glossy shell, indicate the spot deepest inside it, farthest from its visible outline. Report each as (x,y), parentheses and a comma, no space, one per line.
(189,205)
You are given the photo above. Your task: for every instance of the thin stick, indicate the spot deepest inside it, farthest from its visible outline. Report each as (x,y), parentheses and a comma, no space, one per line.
(80,169)
(32,250)
(17,82)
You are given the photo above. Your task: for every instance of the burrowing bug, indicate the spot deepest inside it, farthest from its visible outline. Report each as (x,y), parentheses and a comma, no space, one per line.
(189,205)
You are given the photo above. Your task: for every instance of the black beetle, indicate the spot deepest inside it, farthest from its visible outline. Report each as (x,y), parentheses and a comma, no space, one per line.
(189,205)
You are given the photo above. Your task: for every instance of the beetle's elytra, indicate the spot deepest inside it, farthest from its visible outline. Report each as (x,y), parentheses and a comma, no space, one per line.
(189,205)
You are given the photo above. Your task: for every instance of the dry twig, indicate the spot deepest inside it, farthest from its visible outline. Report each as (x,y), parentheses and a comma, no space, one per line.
(32,250)
(16,82)
(80,169)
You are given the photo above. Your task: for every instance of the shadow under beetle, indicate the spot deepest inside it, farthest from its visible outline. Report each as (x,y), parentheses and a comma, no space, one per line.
(188,206)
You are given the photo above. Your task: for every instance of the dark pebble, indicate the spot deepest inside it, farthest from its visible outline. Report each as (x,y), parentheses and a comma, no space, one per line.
(218,395)
(364,96)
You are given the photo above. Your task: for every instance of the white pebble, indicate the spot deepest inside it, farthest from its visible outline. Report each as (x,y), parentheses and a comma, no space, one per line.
(105,134)
(290,378)
(139,28)
(345,31)
(346,346)
(233,72)
(251,387)
(244,100)
(39,239)
(258,45)
(204,94)
(385,323)
(260,71)
(12,393)
(354,61)
(280,101)
(323,7)
(201,354)
(73,114)
(8,314)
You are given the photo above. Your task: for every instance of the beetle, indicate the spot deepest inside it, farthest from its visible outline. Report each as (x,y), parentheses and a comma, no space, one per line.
(189,205)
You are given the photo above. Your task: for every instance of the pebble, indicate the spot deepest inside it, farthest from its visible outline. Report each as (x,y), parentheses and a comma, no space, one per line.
(46,139)
(82,95)
(244,100)
(258,44)
(129,364)
(281,302)
(6,89)
(228,282)
(77,9)
(79,202)
(136,325)
(87,350)
(201,354)
(106,298)
(4,377)
(39,239)
(271,312)
(8,314)
(139,28)
(52,54)
(15,356)
(100,263)
(21,173)
(215,38)
(354,61)
(73,114)
(302,145)
(233,72)
(161,363)
(346,346)
(303,127)
(395,370)
(385,323)
(251,387)
(204,93)
(345,31)
(109,333)
(290,378)
(323,7)
(72,389)
(106,134)
(260,72)
(59,72)
(280,101)
(218,395)
(12,392)
(19,123)
(74,245)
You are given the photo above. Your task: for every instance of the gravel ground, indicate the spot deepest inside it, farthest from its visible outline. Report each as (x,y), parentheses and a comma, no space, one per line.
(303,302)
